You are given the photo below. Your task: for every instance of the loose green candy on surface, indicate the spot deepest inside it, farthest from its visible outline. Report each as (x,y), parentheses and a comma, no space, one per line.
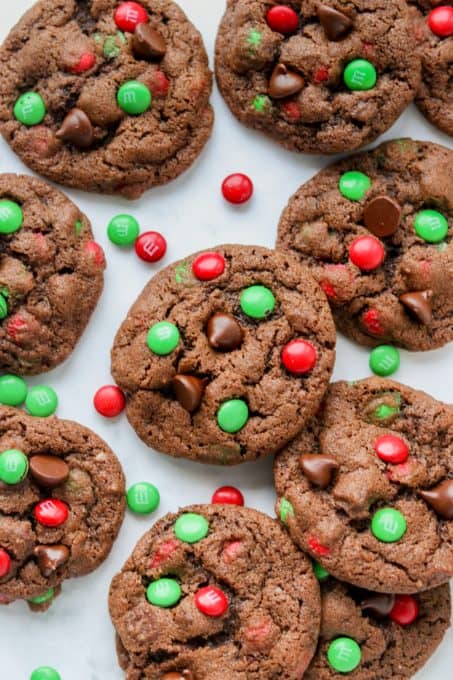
(384,360)
(431,226)
(354,185)
(143,498)
(191,527)
(388,525)
(165,592)
(163,338)
(41,401)
(134,97)
(123,230)
(344,655)
(360,75)
(45,673)
(13,466)
(232,415)
(13,390)
(11,217)
(257,302)
(30,109)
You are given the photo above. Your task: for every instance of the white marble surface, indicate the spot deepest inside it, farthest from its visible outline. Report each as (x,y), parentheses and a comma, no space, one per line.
(76,636)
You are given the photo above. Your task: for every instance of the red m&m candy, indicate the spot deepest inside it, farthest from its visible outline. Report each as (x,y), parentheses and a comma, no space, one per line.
(367,253)
(227,495)
(405,610)
(5,563)
(208,266)
(85,62)
(440,21)
(129,15)
(109,401)
(391,449)
(237,188)
(283,19)
(371,322)
(299,357)
(211,601)
(51,512)
(96,251)
(151,246)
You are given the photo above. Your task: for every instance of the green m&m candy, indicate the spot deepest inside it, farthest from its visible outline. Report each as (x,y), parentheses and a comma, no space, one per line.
(191,527)
(344,655)
(320,573)
(286,509)
(232,415)
(354,185)
(388,525)
(257,302)
(123,230)
(44,597)
(163,338)
(384,360)
(143,498)
(165,592)
(30,109)
(11,217)
(431,226)
(41,401)
(13,466)
(45,673)
(13,390)
(360,75)
(261,103)
(3,307)
(134,97)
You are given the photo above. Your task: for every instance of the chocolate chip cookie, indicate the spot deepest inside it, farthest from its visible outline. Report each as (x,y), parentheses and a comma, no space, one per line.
(104,95)
(51,275)
(225,355)
(376,230)
(62,503)
(373,636)
(318,77)
(219,593)
(367,489)
(433,30)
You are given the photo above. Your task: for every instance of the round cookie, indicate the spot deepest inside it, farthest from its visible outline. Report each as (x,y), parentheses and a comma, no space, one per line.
(433,30)
(367,489)
(245,600)
(376,230)
(225,355)
(317,77)
(62,502)
(51,275)
(395,635)
(108,96)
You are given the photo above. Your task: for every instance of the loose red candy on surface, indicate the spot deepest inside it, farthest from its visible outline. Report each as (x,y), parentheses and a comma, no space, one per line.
(163,552)
(151,246)
(283,19)
(405,610)
(5,563)
(367,253)
(109,401)
(371,322)
(391,449)
(211,601)
(208,266)
(85,62)
(299,357)
(129,14)
(51,512)
(227,495)
(95,249)
(317,547)
(237,188)
(440,21)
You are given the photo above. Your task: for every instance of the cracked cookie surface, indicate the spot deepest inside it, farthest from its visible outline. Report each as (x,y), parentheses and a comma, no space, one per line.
(397,200)
(374,503)
(51,275)
(68,467)
(270,621)
(220,392)
(80,127)
(305,103)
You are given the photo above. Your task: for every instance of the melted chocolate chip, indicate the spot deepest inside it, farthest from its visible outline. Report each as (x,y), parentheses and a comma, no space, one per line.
(284,83)
(378,605)
(77,129)
(419,304)
(188,391)
(50,557)
(336,25)
(224,332)
(49,471)
(148,43)
(440,498)
(382,216)
(318,469)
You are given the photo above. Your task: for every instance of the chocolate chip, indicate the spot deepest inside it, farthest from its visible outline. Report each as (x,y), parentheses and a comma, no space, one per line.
(224,332)
(148,43)
(50,557)
(49,471)
(382,216)
(378,605)
(441,499)
(336,25)
(318,469)
(419,304)
(189,391)
(77,129)
(284,83)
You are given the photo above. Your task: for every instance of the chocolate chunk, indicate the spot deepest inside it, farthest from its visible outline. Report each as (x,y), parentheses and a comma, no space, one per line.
(77,129)
(188,391)
(49,471)
(336,25)
(378,605)
(148,43)
(224,332)
(318,469)
(382,216)
(419,304)
(284,83)
(441,499)
(50,557)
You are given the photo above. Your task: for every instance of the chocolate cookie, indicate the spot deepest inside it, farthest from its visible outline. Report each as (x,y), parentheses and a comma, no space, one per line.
(373,636)
(433,29)
(367,489)
(318,77)
(376,230)
(225,355)
(51,275)
(61,504)
(215,593)
(106,96)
